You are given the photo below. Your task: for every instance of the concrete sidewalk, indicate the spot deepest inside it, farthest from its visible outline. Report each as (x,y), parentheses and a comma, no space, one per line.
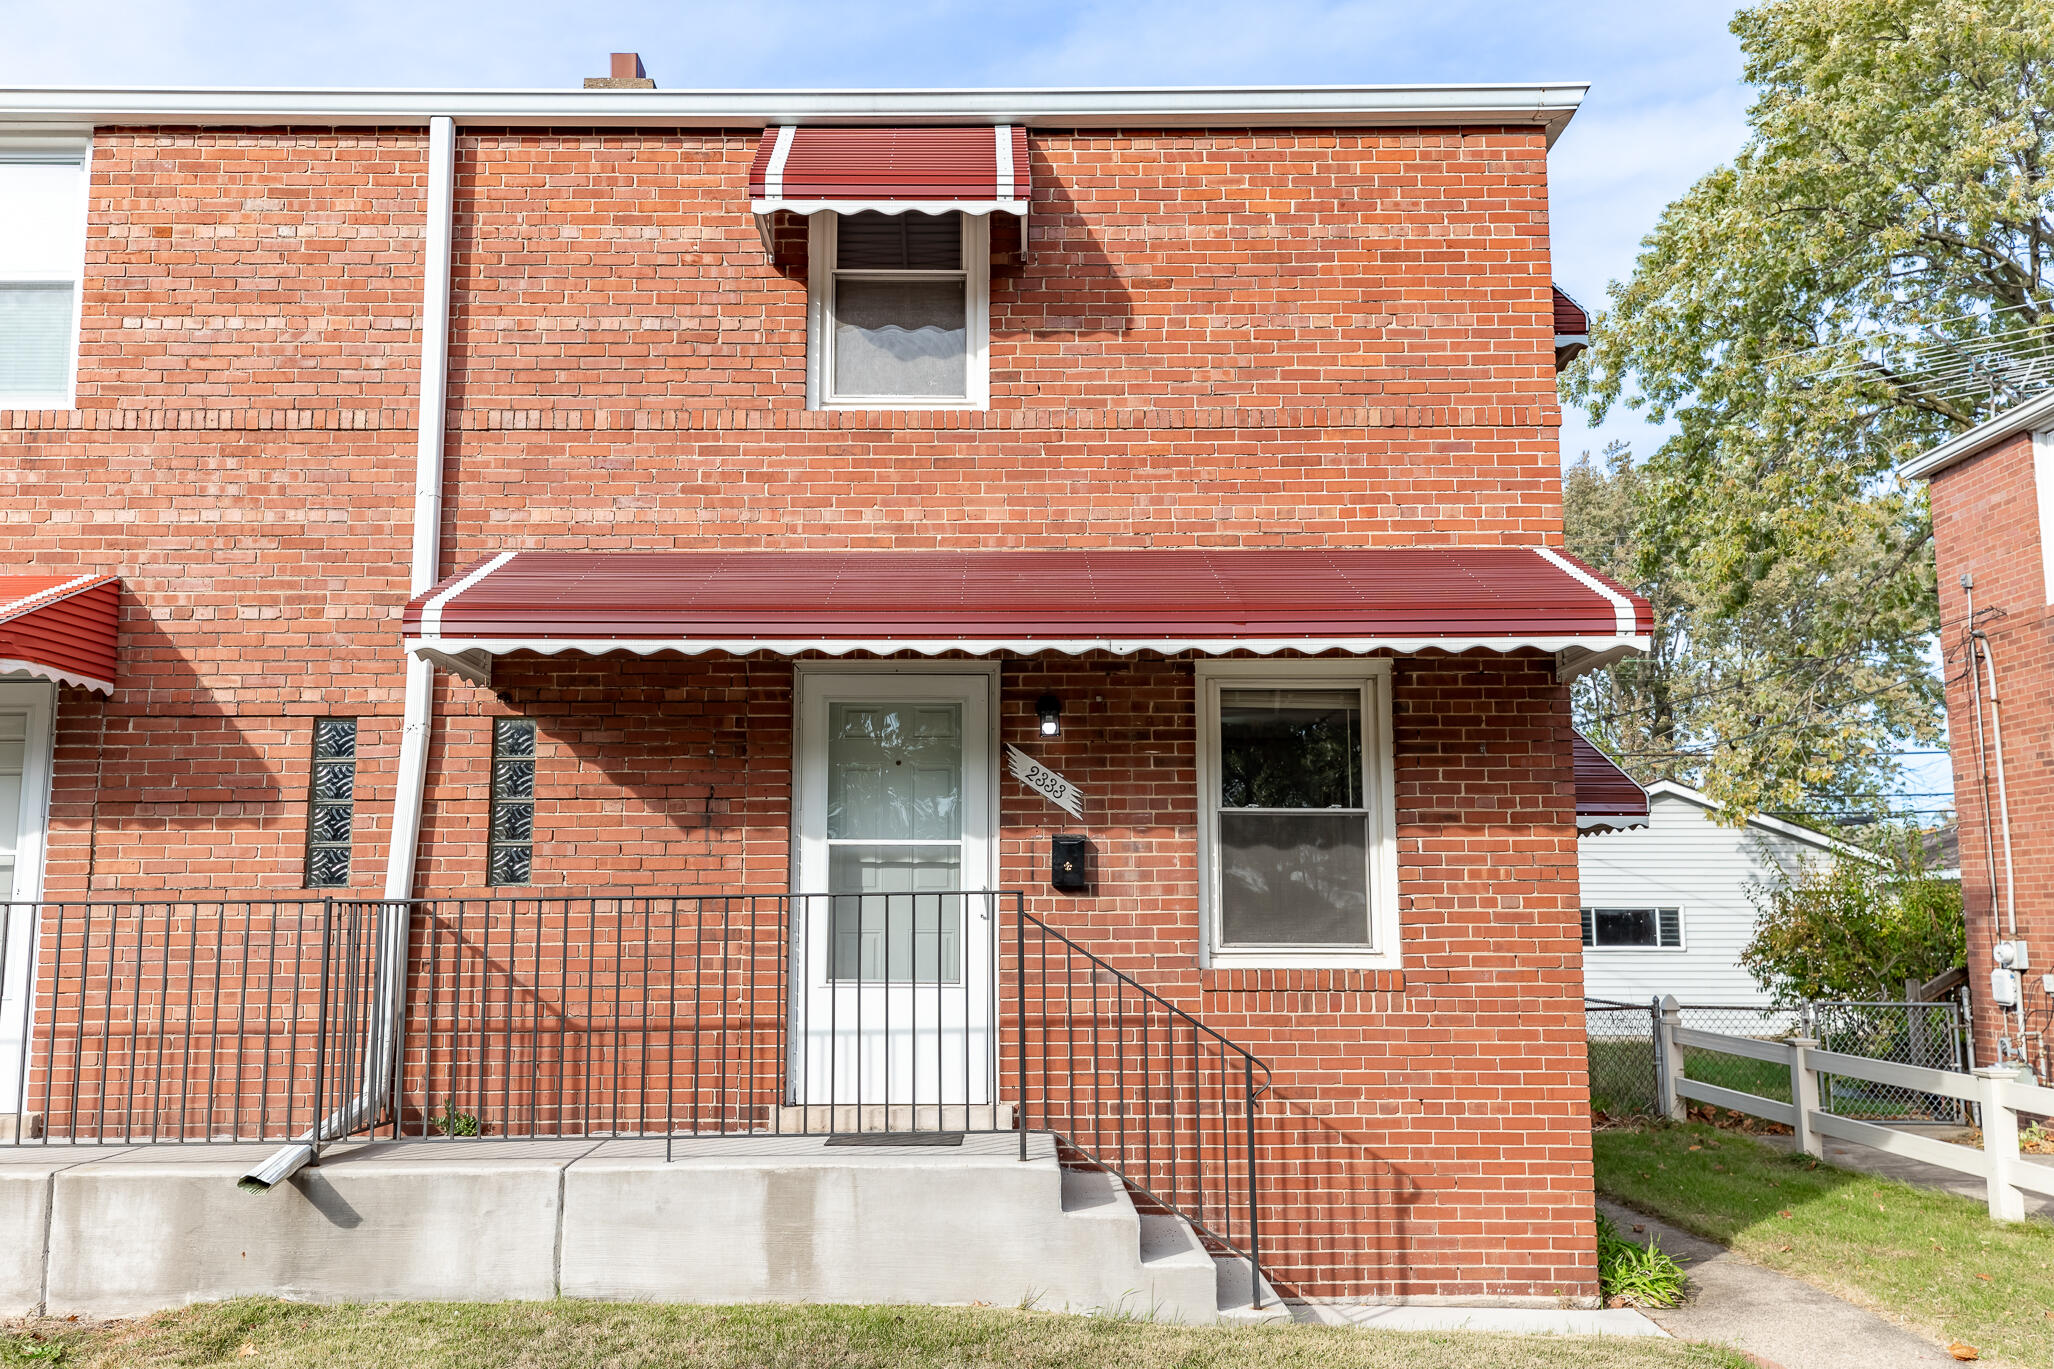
(1782,1321)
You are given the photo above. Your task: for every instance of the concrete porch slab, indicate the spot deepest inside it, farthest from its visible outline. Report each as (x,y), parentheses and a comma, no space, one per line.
(26,1175)
(161,1226)
(792,1219)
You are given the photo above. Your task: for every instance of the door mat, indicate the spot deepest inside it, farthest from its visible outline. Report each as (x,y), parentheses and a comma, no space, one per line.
(896,1138)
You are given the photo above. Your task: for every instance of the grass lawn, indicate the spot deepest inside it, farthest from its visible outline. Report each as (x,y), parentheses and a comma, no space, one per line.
(1932,1260)
(554,1335)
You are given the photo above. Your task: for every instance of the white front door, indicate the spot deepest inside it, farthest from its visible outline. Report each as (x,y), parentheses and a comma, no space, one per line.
(24,804)
(892,920)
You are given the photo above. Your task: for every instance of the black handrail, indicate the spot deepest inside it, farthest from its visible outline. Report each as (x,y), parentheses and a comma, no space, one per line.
(1199,1164)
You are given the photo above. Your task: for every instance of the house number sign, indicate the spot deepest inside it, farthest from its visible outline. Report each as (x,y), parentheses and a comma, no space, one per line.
(1045,781)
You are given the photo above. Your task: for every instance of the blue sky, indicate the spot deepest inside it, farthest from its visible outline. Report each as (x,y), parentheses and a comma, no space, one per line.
(1665,106)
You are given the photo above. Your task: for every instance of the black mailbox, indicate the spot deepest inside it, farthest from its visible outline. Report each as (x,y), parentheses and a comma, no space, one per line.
(1069,866)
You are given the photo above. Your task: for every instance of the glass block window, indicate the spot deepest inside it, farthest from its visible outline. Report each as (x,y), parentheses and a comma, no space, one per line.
(331,803)
(512,856)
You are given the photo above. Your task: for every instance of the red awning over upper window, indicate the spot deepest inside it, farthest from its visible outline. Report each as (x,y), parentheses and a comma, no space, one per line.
(1607,799)
(60,627)
(981,169)
(991,602)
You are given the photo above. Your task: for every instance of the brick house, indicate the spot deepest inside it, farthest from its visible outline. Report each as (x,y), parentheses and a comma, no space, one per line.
(588,510)
(1992,495)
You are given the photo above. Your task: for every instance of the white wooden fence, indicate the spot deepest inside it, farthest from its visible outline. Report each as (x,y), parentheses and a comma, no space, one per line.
(2002,1094)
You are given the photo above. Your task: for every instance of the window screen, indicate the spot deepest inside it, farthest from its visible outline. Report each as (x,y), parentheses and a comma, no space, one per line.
(42,253)
(332,803)
(900,313)
(1292,840)
(511,859)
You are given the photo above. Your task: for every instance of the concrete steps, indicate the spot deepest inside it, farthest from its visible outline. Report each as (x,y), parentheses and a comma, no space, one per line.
(121,1232)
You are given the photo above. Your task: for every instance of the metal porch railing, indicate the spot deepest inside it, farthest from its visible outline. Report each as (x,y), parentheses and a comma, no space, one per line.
(197,1022)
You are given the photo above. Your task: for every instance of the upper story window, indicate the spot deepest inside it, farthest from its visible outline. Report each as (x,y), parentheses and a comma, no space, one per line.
(42,257)
(898,311)
(1296,815)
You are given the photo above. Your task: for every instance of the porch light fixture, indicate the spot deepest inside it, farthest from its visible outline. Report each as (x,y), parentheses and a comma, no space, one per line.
(1050,710)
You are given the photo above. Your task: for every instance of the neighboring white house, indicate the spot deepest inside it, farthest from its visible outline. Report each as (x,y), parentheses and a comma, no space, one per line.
(1665,904)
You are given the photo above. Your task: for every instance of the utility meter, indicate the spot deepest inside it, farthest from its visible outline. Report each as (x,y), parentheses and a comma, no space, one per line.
(2004,988)
(2011,955)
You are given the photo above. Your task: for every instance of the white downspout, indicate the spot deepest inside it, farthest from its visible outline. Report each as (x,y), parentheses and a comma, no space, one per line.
(388,1008)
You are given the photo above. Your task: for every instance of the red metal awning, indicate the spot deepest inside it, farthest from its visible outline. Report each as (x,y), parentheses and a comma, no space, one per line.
(1607,799)
(60,627)
(981,169)
(1017,602)
(1570,318)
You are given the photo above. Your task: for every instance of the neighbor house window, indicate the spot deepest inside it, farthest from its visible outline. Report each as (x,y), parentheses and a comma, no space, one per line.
(332,803)
(42,256)
(1630,928)
(511,859)
(1297,831)
(898,312)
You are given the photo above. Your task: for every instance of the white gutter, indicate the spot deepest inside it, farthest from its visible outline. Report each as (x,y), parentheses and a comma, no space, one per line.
(1336,106)
(387,1024)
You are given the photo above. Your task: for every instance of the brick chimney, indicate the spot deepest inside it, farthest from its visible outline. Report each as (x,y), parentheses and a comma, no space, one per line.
(627,74)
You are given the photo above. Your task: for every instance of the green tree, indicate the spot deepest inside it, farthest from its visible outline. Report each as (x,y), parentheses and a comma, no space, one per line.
(1870,275)
(1849,928)
(1642,711)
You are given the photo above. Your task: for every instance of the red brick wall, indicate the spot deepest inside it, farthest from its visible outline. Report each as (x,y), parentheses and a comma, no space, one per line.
(1986,523)
(1214,338)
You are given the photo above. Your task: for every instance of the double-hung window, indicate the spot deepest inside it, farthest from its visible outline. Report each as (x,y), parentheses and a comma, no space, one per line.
(898,310)
(42,257)
(1296,825)
(1631,929)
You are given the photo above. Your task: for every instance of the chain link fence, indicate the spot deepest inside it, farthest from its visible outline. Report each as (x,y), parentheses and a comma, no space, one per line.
(1927,1034)
(1620,1038)
(1624,1078)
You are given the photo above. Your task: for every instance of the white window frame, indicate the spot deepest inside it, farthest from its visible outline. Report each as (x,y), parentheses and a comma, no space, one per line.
(56,151)
(1379,788)
(20,954)
(822,235)
(1682,934)
(39,700)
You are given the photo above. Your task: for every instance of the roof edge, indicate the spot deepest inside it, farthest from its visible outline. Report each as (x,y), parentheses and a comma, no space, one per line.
(1795,831)
(1550,104)
(1959,448)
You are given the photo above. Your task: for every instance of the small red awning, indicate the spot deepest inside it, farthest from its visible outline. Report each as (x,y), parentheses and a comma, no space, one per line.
(1570,318)
(1607,799)
(1020,602)
(60,627)
(981,169)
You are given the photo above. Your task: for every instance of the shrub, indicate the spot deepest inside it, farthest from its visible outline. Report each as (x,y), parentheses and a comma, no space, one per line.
(1851,928)
(1645,1277)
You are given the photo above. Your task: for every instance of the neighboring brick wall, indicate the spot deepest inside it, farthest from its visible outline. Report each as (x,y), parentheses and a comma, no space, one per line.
(1986,523)
(1219,339)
